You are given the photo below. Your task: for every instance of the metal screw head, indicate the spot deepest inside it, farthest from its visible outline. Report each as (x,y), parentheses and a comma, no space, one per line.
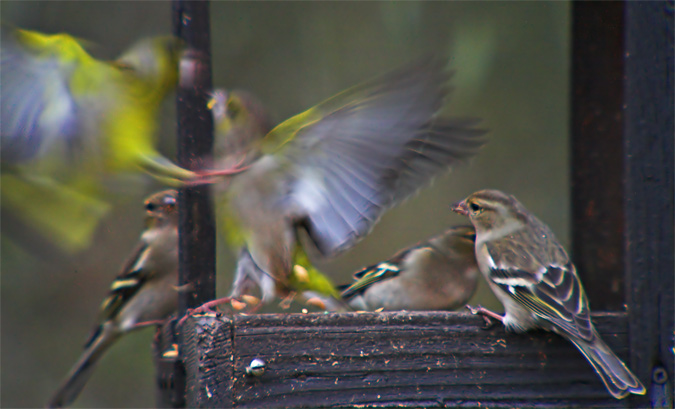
(256,367)
(659,375)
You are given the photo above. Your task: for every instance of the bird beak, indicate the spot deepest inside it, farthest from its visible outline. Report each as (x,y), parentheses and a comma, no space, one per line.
(215,97)
(460,207)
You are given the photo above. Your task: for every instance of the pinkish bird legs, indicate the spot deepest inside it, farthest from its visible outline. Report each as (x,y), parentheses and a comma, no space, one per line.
(148,323)
(237,168)
(487,315)
(205,308)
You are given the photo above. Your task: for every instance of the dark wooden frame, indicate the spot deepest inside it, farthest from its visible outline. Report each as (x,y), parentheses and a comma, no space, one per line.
(623,231)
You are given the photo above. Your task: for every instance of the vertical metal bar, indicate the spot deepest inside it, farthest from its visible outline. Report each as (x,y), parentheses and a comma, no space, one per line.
(597,150)
(650,197)
(195,145)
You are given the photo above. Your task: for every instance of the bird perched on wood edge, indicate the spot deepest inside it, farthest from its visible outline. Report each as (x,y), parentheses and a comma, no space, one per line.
(438,274)
(531,274)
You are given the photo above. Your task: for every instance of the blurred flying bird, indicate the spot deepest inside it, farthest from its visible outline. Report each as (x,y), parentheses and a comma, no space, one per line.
(69,121)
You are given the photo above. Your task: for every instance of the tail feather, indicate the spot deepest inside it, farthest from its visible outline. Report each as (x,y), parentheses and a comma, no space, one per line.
(83,368)
(618,379)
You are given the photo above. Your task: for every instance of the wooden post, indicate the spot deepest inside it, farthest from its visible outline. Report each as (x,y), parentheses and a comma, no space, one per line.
(196,223)
(596,142)
(649,205)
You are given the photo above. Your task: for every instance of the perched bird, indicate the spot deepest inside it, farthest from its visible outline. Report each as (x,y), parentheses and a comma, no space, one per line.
(69,121)
(143,294)
(531,274)
(438,274)
(334,169)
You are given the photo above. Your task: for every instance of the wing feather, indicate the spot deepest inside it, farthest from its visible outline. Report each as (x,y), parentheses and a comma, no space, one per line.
(555,296)
(368,148)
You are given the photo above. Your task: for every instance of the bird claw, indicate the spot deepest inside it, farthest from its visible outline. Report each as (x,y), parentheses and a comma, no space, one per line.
(488,316)
(204,308)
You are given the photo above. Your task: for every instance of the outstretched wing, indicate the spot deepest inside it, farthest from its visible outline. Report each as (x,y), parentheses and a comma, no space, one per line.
(37,106)
(366,149)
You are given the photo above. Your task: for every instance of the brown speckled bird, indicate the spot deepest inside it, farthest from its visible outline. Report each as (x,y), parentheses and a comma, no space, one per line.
(144,293)
(438,274)
(531,274)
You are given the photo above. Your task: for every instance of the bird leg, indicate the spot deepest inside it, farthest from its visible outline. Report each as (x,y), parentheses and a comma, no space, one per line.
(237,168)
(147,323)
(487,315)
(205,308)
(287,300)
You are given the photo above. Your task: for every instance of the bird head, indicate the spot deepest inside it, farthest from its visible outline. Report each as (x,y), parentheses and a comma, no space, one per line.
(491,210)
(154,61)
(461,238)
(161,208)
(241,123)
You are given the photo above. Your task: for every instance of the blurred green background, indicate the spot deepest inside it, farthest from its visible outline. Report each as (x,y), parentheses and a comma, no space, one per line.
(512,70)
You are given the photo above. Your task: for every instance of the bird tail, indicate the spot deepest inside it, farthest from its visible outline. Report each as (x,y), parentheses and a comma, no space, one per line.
(618,379)
(84,367)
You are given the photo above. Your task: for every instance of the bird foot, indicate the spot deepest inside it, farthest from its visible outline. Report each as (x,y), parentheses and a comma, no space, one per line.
(288,300)
(487,315)
(207,307)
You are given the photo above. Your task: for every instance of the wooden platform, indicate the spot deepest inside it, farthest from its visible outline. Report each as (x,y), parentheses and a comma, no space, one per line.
(395,359)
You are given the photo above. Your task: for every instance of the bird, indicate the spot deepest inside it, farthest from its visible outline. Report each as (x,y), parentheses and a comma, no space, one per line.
(438,274)
(533,277)
(241,122)
(144,293)
(62,105)
(70,122)
(331,171)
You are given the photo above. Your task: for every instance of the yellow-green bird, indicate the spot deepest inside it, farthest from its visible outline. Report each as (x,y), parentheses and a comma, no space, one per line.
(334,169)
(438,274)
(60,104)
(69,120)
(144,293)
(241,123)
(531,274)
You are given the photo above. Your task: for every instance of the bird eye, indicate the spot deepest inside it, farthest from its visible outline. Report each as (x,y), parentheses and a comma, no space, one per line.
(474,207)
(150,206)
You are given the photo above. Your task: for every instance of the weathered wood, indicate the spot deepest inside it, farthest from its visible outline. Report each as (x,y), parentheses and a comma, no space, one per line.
(649,205)
(396,359)
(596,143)
(207,355)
